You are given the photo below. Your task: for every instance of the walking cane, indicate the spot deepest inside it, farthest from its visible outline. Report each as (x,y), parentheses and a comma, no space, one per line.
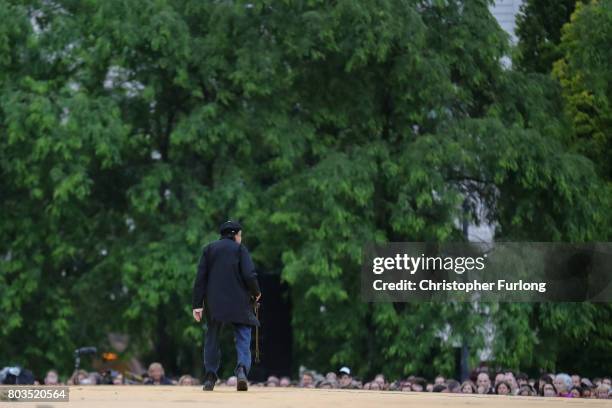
(256,307)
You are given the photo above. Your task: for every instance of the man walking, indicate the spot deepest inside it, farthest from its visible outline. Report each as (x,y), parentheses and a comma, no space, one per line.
(226,289)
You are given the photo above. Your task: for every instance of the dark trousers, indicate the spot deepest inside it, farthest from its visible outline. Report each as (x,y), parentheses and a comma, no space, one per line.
(212,348)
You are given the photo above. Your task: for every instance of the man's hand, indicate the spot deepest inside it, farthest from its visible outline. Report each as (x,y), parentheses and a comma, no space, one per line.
(257,297)
(197,314)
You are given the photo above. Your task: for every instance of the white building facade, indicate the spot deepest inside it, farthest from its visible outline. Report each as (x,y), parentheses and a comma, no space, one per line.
(505,11)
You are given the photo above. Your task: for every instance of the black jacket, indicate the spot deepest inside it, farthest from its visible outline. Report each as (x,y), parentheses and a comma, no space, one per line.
(226,283)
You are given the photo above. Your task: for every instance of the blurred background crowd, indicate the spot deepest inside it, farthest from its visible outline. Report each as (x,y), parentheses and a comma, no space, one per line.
(481,381)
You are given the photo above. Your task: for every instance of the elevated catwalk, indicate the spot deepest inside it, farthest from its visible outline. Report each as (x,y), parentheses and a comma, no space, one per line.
(259,397)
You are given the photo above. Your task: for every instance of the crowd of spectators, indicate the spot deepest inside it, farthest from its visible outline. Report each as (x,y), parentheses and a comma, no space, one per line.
(504,382)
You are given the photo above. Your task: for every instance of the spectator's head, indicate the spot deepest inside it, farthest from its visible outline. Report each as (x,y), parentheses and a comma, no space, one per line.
(603,391)
(187,380)
(440,388)
(156,372)
(563,383)
(418,384)
(544,379)
(344,377)
(118,379)
(439,380)
(285,382)
(374,386)
(429,387)
(51,378)
(548,390)
(587,392)
(94,378)
(231,381)
(272,381)
(307,380)
(453,386)
(331,377)
(575,392)
(87,378)
(380,379)
(502,388)
(468,387)
(499,378)
(79,377)
(416,387)
(510,379)
(483,381)
(325,384)
(607,381)
(526,390)
(576,380)
(522,379)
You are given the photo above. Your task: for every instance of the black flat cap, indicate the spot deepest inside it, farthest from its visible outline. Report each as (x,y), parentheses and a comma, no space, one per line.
(230,226)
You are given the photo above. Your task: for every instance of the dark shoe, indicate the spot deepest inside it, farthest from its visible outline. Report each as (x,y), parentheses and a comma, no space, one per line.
(209,382)
(242,383)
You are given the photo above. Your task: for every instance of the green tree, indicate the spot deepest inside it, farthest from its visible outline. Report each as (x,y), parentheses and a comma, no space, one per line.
(585,77)
(131,128)
(538,28)
(57,144)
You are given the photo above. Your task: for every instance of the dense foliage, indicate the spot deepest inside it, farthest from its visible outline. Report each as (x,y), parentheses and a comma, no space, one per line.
(585,76)
(538,28)
(130,129)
